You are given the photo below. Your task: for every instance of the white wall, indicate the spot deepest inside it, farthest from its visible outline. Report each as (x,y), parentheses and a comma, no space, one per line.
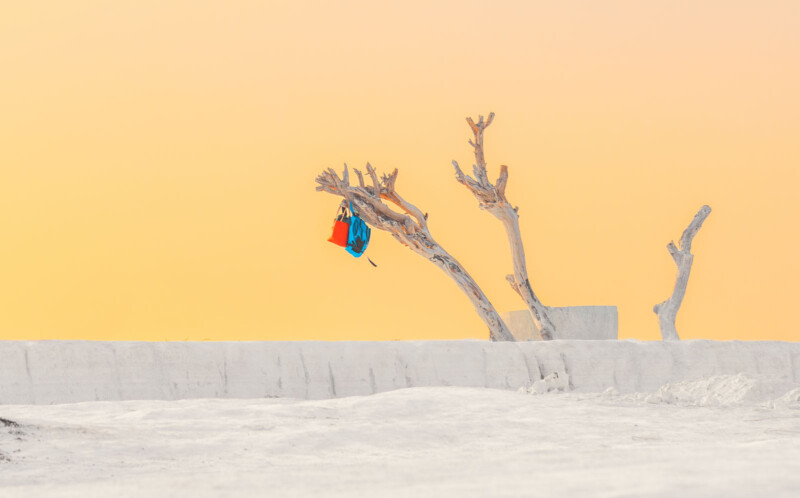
(44,372)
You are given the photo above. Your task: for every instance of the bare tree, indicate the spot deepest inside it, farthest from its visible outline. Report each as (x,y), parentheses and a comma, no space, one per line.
(492,198)
(410,228)
(668,310)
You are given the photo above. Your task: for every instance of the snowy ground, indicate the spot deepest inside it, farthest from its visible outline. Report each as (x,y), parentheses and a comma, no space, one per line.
(731,435)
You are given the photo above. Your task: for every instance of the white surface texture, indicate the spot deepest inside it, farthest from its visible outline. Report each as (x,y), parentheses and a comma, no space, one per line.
(45,372)
(565,418)
(569,322)
(419,442)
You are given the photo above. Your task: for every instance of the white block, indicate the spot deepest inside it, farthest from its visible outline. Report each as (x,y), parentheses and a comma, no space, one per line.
(571,322)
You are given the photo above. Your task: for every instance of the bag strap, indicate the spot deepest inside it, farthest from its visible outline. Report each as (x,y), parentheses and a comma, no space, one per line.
(342,214)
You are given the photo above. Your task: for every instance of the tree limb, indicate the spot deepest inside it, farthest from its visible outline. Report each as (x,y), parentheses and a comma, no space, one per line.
(390,194)
(360,178)
(673,251)
(694,226)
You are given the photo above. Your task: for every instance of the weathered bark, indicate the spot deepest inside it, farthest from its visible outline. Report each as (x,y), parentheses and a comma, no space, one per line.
(492,198)
(667,311)
(410,228)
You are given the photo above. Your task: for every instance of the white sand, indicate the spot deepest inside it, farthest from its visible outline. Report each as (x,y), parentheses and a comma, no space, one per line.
(727,436)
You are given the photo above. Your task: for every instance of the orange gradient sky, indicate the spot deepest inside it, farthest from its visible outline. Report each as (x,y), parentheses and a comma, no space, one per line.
(157,163)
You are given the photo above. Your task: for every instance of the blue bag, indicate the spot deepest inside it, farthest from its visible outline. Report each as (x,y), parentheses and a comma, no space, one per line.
(357,236)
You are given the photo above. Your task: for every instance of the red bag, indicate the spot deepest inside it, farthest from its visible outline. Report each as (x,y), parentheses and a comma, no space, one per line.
(341,227)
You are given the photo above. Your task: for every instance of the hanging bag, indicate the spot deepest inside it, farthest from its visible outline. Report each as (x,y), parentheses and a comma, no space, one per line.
(341,228)
(357,236)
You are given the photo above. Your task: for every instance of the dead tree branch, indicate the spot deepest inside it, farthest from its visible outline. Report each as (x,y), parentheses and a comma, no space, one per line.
(492,198)
(667,311)
(410,228)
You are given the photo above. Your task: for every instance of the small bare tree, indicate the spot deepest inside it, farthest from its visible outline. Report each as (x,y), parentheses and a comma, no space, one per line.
(410,228)
(492,198)
(668,310)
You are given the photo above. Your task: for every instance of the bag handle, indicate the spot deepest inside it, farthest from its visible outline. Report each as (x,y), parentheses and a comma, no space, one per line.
(342,214)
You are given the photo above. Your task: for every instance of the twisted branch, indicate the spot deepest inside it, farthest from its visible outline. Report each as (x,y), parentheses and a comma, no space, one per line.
(411,229)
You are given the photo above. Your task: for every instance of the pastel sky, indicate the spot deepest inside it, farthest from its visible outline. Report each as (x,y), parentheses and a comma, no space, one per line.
(157,163)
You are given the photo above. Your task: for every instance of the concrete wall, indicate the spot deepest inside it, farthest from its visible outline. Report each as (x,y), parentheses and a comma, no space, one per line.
(571,322)
(43,372)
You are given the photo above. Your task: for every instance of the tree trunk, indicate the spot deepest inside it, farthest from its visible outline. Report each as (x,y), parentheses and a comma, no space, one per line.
(492,198)
(497,327)
(519,280)
(667,311)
